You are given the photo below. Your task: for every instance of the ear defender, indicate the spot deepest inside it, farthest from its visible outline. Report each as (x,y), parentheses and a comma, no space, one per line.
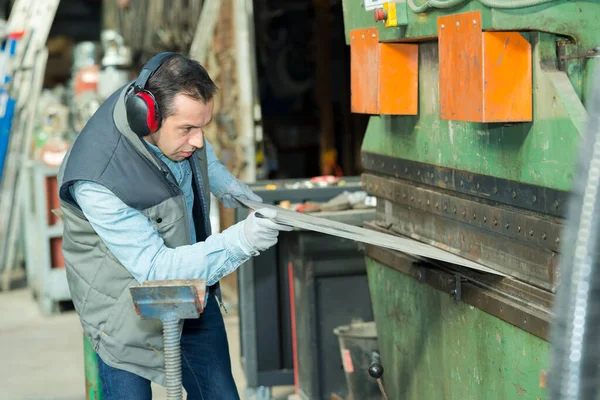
(143,113)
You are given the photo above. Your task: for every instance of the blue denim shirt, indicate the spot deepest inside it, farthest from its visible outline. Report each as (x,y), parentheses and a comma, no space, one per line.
(129,234)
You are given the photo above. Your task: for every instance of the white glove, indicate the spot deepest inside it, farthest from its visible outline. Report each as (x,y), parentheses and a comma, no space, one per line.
(261,232)
(238,189)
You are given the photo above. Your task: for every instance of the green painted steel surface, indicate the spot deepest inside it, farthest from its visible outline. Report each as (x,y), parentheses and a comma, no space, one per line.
(576,19)
(92,381)
(434,347)
(543,152)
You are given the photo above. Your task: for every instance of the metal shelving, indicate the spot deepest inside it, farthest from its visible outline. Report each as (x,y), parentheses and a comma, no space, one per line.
(48,283)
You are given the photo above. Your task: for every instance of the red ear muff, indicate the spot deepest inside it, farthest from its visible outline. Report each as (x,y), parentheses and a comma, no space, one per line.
(151,115)
(143,114)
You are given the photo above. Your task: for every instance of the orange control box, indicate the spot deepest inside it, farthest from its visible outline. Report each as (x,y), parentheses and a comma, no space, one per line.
(384,76)
(484,76)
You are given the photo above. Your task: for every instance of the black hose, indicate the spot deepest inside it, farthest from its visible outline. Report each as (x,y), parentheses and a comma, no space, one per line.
(575,334)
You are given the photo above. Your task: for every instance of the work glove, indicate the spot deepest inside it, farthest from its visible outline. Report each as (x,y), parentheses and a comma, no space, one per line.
(261,231)
(237,189)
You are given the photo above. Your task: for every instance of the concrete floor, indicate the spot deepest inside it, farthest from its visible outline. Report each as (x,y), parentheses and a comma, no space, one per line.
(42,357)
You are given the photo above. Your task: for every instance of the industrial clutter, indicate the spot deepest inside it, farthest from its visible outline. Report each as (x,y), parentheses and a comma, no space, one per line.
(299,200)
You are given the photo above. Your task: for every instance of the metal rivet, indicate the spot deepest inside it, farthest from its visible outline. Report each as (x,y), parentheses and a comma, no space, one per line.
(443,26)
(495,221)
(445,207)
(373,35)
(437,205)
(474,216)
(557,240)
(363,36)
(484,220)
(514,194)
(544,236)
(531,233)
(454,210)
(474,22)
(464,213)
(427,202)
(462,183)
(352,37)
(507,225)
(412,198)
(556,204)
(458,24)
(534,198)
(478,186)
(518,229)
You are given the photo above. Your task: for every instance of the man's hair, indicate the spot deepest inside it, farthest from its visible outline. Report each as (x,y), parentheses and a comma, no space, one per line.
(180,75)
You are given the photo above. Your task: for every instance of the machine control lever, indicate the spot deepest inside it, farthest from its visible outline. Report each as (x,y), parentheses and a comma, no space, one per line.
(376,371)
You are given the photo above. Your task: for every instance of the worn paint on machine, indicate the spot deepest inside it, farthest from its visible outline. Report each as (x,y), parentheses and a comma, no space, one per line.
(437,348)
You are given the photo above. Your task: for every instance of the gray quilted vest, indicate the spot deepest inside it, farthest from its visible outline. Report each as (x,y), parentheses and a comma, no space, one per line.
(108,152)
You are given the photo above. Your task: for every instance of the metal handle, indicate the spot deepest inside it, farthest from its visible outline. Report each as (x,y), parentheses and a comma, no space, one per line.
(376,371)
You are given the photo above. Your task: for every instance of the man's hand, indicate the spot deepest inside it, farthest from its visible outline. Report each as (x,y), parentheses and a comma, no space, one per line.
(237,189)
(260,231)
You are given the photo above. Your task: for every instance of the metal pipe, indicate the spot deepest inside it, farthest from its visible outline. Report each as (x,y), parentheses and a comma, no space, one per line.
(172,356)
(575,362)
(500,4)
(504,4)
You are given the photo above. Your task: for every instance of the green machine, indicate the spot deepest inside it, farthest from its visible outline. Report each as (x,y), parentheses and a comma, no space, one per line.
(477,108)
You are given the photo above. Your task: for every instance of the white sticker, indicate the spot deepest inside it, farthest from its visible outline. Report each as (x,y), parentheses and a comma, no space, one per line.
(372,4)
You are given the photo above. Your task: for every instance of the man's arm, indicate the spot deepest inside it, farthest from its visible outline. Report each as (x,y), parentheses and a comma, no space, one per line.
(223,184)
(130,236)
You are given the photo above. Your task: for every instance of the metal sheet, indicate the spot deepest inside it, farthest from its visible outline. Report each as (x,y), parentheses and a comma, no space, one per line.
(363,235)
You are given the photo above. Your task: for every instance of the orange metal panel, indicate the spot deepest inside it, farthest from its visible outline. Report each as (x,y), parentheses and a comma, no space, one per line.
(364,70)
(484,76)
(461,67)
(398,79)
(508,91)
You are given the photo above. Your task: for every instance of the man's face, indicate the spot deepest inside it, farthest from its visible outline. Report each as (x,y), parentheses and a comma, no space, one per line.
(182,132)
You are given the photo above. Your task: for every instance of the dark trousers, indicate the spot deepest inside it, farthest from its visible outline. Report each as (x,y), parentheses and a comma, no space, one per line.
(206,366)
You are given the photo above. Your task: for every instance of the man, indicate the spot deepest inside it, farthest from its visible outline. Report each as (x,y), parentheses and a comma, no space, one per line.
(134,191)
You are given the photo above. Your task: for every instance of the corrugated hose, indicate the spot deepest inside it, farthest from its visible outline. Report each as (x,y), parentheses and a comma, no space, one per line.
(575,336)
(501,4)
(172,356)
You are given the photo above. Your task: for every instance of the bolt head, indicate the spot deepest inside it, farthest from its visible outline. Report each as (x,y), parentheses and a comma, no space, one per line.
(458,24)
(443,26)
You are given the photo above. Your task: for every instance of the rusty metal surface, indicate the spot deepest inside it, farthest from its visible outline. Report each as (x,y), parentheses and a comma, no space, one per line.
(526,196)
(514,258)
(524,306)
(183,297)
(485,215)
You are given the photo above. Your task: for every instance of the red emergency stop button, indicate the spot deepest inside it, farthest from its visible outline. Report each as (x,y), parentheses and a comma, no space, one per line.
(380,14)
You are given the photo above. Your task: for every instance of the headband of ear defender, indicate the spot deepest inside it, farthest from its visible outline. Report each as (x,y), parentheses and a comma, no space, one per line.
(143,114)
